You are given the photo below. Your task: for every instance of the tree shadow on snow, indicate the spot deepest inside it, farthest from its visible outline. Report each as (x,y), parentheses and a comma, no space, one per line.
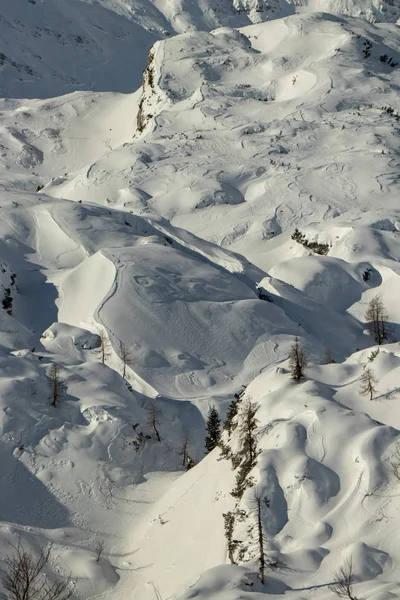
(35,305)
(25,500)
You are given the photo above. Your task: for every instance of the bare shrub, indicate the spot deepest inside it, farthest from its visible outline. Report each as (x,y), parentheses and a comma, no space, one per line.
(25,578)
(98,549)
(343,582)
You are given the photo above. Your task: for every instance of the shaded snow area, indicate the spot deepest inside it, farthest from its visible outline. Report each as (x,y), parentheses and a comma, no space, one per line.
(164,238)
(53,47)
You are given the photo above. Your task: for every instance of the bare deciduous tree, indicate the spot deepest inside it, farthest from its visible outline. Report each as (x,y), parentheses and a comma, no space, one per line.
(25,578)
(328,359)
(297,362)
(185,447)
(368,383)
(247,430)
(394,461)
(343,582)
(229,526)
(98,549)
(107,490)
(246,458)
(152,422)
(257,511)
(104,350)
(377,316)
(56,384)
(126,358)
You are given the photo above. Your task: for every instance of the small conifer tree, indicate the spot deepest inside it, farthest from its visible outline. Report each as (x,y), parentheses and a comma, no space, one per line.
(213,429)
(231,413)
(297,363)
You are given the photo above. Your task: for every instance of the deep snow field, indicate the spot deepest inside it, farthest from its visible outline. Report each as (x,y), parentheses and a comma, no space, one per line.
(156,217)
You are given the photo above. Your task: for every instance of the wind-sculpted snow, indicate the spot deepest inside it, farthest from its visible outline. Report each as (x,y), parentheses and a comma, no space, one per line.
(323,470)
(248,134)
(164,299)
(190,316)
(54,47)
(245,196)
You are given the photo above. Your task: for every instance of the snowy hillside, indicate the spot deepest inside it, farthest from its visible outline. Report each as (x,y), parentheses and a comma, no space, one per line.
(53,47)
(161,247)
(248,135)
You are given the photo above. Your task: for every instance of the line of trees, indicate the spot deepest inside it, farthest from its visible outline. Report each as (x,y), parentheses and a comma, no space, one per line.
(242,417)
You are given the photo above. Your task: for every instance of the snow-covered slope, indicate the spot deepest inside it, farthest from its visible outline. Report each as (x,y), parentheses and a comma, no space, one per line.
(325,471)
(249,134)
(165,228)
(53,47)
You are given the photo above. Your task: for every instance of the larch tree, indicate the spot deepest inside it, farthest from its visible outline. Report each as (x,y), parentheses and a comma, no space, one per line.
(213,428)
(184,451)
(229,526)
(328,358)
(297,361)
(104,349)
(246,458)
(257,511)
(56,384)
(126,359)
(152,422)
(377,318)
(231,413)
(368,383)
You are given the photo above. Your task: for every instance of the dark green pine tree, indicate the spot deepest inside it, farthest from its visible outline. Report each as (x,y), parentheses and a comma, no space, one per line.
(231,414)
(213,429)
